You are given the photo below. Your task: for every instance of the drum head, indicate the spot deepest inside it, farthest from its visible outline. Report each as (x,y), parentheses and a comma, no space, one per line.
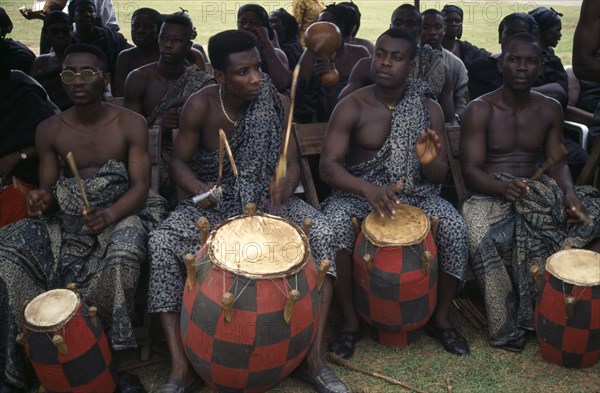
(51,310)
(578,267)
(258,246)
(409,227)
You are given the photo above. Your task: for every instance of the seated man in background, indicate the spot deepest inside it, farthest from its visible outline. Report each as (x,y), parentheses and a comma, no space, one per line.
(316,99)
(584,104)
(145,25)
(352,39)
(384,146)
(20,56)
(514,221)
(464,50)
(98,247)
(252,116)
(158,90)
(586,42)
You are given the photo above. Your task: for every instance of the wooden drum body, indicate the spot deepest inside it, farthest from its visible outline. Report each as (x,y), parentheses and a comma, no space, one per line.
(395,274)
(567,313)
(250,311)
(66,344)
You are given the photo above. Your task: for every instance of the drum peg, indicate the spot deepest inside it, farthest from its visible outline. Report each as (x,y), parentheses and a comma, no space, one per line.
(307,225)
(426,263)
(22,339)
(190,262)
(369,262)
(292,298)
(72,286)
(227,302)
(356,225)
(250,208)
(435,226)
(566,247)
(42,390)
(202,224)
(92,312)
(535,272)
(570,306)
(59,343)
(323,268)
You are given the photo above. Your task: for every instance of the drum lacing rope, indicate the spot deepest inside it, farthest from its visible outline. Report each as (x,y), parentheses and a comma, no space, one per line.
(572,290)
(235,282)
(285,284)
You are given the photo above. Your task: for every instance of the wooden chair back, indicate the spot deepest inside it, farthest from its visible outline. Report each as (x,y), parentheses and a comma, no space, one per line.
(309,138)
(453,149)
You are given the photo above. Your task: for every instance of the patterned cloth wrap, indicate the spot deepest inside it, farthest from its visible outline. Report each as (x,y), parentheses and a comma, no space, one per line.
(506,239)
(397,161)
(50,252)
(255,144)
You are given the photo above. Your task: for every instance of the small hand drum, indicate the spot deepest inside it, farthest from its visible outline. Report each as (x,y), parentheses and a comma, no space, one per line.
(251,303)
(395,274)
(567,313)
(66,344)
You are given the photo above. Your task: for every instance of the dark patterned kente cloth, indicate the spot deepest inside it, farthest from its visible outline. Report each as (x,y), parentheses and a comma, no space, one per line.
(48,253)
(395,161)
(192,80)
(506,239)
(255,144)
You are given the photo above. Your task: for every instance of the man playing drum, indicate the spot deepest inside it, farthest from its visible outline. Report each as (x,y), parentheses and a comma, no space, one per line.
(98,247)
(515,221)
(246,105)
(384,145)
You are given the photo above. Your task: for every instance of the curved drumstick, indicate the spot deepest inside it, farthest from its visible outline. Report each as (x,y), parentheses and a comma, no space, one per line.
(223,140)
(282,164)
(551,160)
(75,172)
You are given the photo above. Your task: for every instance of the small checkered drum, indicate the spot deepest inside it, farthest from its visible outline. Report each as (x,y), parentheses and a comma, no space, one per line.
(66,344)
(567,314)
(250,304)
(395,274)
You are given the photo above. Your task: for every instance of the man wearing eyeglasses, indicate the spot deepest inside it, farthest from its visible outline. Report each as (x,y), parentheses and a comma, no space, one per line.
(98,245)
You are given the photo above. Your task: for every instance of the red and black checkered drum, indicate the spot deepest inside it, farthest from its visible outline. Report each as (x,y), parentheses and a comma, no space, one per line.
(395,274)
(66,344)
(250,312)
(567,314)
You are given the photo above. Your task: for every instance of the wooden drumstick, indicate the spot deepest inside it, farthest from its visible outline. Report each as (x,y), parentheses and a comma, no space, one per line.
(227,302)
(59,343)
(356,225)
(223,143)
(281,169)
(92,312)
(202,224)
(307,225)
(292,298)
(369,262)
(426,263)
(73,166)
(250,208)
(536,273)
(22,339)
(583,217)
(19,186)
(323,268)
(190,267)
(566,247)
(570,306)
(551,160)
(435,226)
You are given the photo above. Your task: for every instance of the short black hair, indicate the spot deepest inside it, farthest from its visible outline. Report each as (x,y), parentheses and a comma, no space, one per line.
(290,25)
(87,48)
(404,35)
(408,7)
(345,17)
(227,42)
(6,24)
(533,26)
(156,16)
(523,37)
(182,20)
(357,14)
(432,11)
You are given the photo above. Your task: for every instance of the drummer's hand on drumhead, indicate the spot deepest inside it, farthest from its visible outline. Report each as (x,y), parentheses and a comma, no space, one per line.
(97,219)
(428,147)
(515,190)
(383,198)
(37,201)
(573,205)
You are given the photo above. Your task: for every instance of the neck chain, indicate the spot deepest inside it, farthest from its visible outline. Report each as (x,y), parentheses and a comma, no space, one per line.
(223,108)
(391,108)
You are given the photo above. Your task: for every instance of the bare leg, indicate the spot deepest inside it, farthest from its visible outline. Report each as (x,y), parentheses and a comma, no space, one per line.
(181,370)
(313,359)
(344,292)
(447,288)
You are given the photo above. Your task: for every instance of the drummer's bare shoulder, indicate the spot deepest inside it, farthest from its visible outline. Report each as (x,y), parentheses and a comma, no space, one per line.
(195,111)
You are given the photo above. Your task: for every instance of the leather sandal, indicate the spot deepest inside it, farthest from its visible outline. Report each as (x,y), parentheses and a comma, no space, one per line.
(343,344)
(450,338)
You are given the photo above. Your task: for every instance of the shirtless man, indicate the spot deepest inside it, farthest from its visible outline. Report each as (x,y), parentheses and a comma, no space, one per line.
(586,42)
(514,223)
(100,247)
(246,105)
(383,146)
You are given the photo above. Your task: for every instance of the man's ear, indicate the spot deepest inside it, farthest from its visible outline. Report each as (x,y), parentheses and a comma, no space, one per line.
(219,76)
(499,62)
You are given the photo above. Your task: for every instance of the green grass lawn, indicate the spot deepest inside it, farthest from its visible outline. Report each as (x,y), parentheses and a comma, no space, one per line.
(480,25)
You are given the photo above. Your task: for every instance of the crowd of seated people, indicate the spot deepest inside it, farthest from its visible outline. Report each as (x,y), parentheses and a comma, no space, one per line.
(385,144)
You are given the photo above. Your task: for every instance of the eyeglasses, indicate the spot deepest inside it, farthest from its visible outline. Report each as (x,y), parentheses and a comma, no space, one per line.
(87,76)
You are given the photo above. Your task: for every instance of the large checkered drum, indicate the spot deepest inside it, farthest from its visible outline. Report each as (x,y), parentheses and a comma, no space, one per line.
(395,274)
(567,314)
(66,344)
(250,312)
